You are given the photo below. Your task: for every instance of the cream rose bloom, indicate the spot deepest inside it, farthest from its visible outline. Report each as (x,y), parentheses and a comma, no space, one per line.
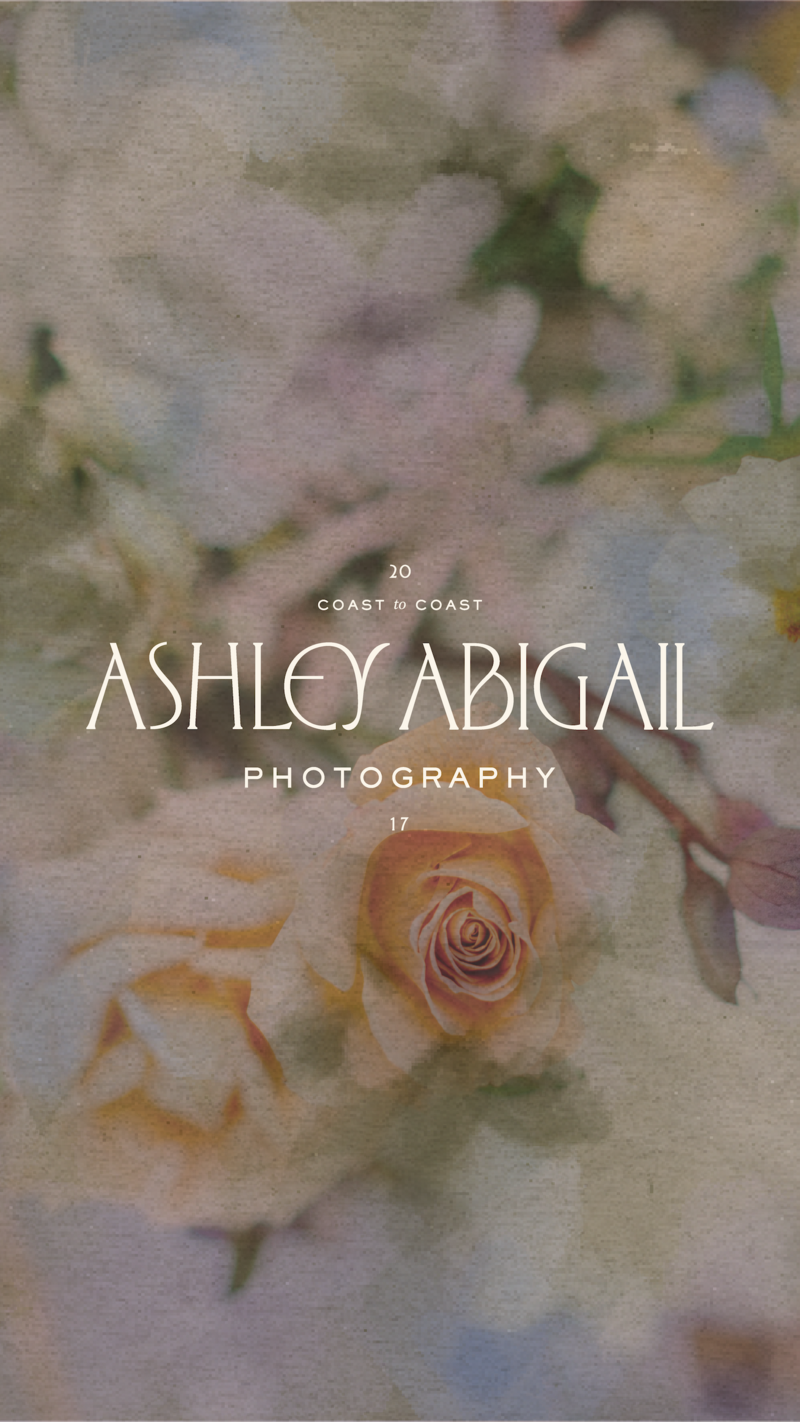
(141,1074)
(469,926)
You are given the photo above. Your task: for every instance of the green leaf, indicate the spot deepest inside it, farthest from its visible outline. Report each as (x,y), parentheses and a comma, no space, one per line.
(46,369)
(571,470)
(538,244)
(736,447)
(784,443)
(773,370)
(515,1086)
(246,1249)
(761,279)
(547,1111)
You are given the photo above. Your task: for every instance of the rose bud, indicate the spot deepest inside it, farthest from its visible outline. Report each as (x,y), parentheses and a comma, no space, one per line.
(708,916)
(589,778)
(765,878)
(736,821)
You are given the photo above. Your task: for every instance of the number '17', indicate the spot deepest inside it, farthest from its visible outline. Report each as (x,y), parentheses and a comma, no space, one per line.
(403,821)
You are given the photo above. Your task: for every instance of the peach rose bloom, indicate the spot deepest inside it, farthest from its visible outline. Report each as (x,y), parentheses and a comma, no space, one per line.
(140,1074)
(473,923)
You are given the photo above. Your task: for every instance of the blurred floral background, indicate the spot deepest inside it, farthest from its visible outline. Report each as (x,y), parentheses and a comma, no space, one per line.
(292,297)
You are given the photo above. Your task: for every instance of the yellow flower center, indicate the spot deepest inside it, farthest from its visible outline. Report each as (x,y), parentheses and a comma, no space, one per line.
(786,611)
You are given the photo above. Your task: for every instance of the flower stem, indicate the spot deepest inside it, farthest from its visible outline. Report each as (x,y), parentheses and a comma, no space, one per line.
(618,763)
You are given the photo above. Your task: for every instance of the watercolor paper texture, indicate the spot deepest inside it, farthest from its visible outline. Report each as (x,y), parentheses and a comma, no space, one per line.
(399,671)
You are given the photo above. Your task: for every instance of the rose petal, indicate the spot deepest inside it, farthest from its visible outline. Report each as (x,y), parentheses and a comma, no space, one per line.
(490,869)
(53,1030)
(404,1035)
(118,1071)
(521,1044)
(736,821)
